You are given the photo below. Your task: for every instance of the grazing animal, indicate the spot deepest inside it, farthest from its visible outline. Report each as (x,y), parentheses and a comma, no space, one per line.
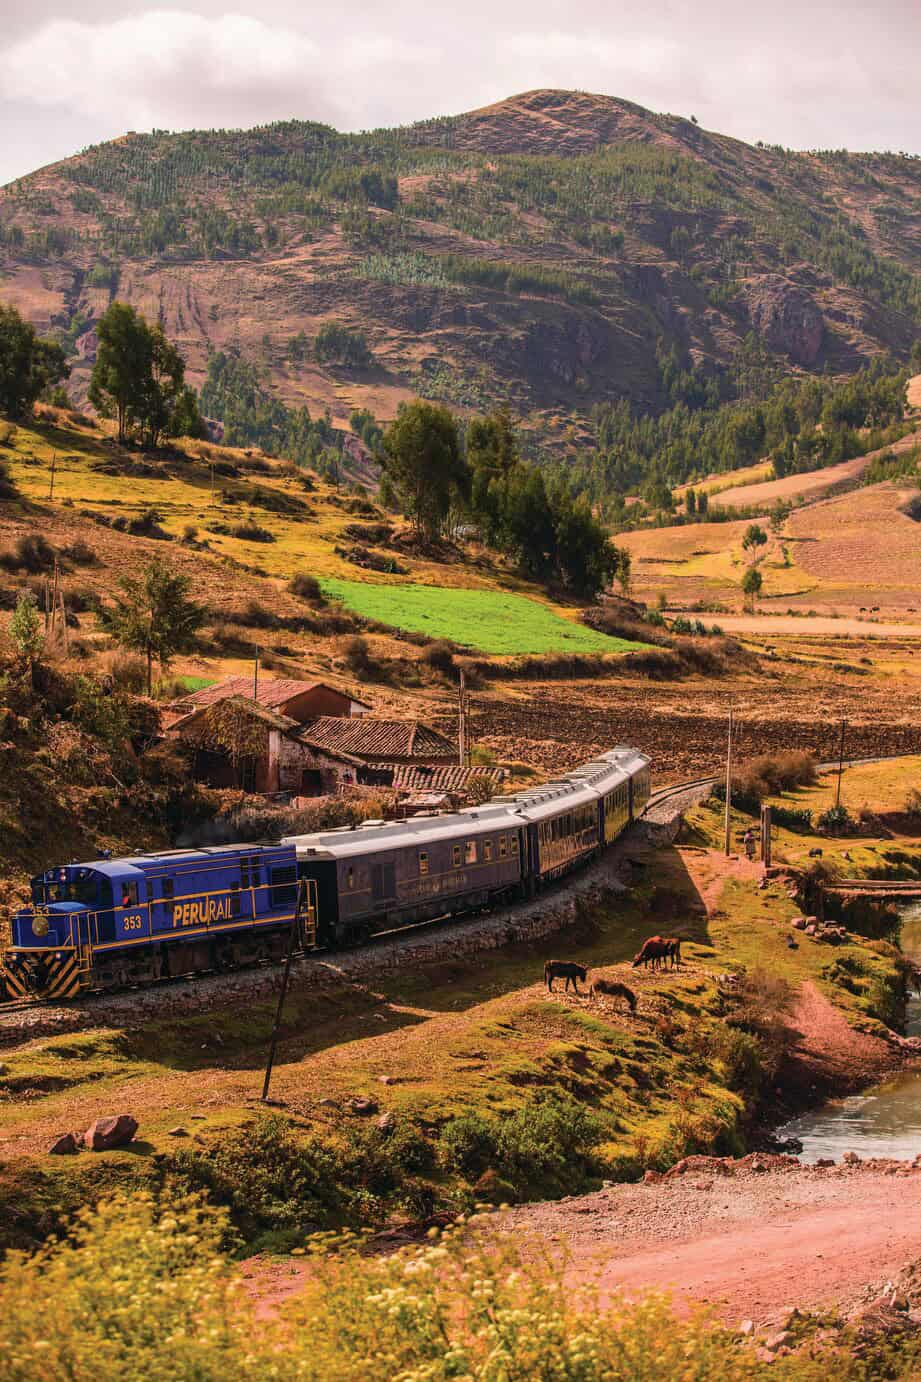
(674,950)
(564,969)
(654,951)
(815,854)
(614,989)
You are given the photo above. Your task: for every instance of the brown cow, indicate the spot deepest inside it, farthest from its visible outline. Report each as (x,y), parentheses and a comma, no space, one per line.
(654,951)
(564,969)
(614,989)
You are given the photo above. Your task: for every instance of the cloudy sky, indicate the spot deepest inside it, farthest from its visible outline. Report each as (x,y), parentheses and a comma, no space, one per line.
(804,73)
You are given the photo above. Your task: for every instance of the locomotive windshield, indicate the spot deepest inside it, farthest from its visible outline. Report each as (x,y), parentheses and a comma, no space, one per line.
(83,888)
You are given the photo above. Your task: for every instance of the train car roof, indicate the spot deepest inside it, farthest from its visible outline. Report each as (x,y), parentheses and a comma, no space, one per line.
(415,833)
(628,758)
(142,863)
(553,799)
(600,775)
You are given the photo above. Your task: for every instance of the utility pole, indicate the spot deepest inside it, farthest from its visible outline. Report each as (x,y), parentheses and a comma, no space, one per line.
(727,842)
(462,720)
(54,459)
(292,945)
(256,677)
(840,763)
(766,836)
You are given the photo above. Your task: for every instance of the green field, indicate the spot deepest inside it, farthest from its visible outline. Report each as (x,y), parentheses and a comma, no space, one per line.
(485,620)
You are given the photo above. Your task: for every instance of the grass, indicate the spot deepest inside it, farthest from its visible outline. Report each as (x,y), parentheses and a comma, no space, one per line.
(486,620)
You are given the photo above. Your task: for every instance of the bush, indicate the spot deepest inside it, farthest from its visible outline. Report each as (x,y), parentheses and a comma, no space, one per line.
(440,657)
(544,1146)
(307,587)
(7,433)
(81,553)
(31,552)
(251,531)
(360,660)
(338,344)
(837,820)
(128,672)
(792,818)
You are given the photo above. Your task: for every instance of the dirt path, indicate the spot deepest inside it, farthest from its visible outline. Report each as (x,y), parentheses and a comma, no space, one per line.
(746,1244)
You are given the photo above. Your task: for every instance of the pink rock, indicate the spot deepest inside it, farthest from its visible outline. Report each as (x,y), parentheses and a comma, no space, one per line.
(65,1145)
(108,1133)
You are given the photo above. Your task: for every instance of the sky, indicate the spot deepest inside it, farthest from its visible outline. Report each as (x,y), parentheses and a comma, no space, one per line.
(804,73)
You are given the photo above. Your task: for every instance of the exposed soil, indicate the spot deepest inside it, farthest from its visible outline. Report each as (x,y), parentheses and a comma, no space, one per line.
(748,1244)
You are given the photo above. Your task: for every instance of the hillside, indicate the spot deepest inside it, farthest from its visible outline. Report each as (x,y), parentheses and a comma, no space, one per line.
(542,251)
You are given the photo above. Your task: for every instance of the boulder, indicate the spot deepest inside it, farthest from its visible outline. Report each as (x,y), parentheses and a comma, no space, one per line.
(65,1145)
(779,1339)
(825,1161)
(386,1123)
(107,1133)
(178,1132)
(798,923)
(851,1159)
(652,1177)
(363,1107)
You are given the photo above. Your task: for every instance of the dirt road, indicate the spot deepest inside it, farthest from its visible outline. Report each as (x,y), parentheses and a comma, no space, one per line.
(747,1244)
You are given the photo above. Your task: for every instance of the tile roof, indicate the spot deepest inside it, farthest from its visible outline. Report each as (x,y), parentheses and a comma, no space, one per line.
(271,693)
(447,777)
(377,739)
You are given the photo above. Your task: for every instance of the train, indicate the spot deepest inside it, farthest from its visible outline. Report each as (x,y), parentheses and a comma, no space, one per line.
(117,923)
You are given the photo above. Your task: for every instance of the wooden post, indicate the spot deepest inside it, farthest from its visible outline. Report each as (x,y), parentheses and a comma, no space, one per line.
(766,836)
(256,677)
(840,763)
(727,842)
(292,946)
(54,457)
(462,721)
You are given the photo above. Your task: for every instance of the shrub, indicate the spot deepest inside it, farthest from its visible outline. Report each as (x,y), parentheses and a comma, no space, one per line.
(32,553)
(7,433)
(81,553)
(469,1144)
(339,344)
(792,817)
(440,657)
(307,587)
(360,660)
(128,671)
(253,615)
(251,531)
(190,533)
(837,820)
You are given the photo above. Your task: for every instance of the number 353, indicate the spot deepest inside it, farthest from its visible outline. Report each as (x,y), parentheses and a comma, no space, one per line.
(132,923)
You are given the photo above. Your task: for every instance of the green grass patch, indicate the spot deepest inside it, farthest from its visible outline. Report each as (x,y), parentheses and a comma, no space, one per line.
(485,620)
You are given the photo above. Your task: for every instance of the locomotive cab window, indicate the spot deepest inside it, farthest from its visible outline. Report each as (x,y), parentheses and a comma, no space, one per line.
(423,862)
(128,894)
(470,852)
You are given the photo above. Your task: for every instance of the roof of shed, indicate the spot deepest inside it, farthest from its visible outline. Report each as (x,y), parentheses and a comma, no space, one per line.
(271,693)
(376,739)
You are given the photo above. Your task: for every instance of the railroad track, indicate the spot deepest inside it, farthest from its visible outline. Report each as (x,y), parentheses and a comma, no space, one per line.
(664,794)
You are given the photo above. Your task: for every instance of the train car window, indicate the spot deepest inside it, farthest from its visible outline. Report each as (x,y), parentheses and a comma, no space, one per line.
(128,894)
(456,856)
(284,885)
(487,849)
(423,862)
(350,878)
(470,852)
(514,844)
(503,848)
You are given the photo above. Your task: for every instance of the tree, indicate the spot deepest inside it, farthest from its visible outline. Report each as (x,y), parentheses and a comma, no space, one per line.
(624,569)
(752,582)
(122,376)
(754,538)
(424,464)
(139,379)
(690,503)
(26,629)
(28,364)
(153,615)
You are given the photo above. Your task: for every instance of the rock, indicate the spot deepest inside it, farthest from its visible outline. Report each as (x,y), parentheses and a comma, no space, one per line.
(65,1145)
(108,1133)
(825,1161)
(4,1068)
(798,923)
(785,316)
(652,1177)
(386,1123)
(386,1079)
(363,1107)
(747,1327)
(178,1132)
(717,1164)
(812,930)
(779,1339)
(851,1159)
(198,1116)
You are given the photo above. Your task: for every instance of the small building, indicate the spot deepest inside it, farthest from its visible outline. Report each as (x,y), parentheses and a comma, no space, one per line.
(380,742)
(300,701)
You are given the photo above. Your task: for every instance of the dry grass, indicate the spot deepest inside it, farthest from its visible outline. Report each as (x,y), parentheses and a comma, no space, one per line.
(861,538)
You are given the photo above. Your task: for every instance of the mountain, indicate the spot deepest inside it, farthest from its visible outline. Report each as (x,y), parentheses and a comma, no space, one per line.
(549,251)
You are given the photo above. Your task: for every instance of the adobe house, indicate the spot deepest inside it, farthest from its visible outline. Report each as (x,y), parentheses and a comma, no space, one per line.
(300,701)
(240,742)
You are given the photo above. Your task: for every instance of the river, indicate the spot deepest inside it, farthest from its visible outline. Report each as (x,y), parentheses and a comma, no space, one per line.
(886,1120)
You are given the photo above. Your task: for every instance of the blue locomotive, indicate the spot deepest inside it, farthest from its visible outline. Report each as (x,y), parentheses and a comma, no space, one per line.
(114,923)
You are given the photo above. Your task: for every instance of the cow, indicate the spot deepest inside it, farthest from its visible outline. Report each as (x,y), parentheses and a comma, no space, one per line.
(674,950)
(614,989)
(653,950)
(564,969)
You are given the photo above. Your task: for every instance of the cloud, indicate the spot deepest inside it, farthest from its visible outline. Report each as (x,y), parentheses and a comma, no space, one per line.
(174,68)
